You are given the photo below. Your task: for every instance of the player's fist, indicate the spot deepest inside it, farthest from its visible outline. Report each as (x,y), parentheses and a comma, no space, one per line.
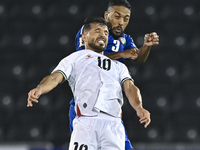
(151,39)
(33,96)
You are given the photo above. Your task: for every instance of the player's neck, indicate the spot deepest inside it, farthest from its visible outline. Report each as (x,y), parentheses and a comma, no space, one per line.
(89,48)
(97,52)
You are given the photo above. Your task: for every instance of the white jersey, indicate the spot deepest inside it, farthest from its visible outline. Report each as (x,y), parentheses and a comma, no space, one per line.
(96,82)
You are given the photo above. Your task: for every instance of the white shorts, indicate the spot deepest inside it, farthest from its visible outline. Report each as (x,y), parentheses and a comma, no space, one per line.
(102,132)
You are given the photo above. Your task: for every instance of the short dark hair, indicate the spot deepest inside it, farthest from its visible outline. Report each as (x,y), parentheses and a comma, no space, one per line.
(124,3)
(94,19)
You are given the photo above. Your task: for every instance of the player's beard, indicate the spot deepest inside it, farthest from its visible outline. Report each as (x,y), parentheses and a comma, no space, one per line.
(97,48)
(111,29)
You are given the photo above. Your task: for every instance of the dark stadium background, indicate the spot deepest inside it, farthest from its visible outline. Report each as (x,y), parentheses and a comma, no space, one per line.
(36,34)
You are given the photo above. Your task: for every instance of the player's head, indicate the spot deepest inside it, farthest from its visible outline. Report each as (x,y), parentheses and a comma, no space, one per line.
(118,16)
(95,34)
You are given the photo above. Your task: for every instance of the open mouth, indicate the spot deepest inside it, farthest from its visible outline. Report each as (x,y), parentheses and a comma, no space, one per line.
(118,29)
(101,42)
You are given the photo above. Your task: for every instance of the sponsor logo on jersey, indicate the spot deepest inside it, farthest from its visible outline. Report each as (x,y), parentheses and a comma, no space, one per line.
(122,40)
(89,56)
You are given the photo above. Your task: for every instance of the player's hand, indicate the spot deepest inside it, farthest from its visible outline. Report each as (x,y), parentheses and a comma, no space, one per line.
(130,54)
(33,96)
(151,39)
(144,116)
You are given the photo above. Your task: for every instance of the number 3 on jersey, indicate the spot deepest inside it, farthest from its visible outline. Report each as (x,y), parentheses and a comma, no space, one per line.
(116,47)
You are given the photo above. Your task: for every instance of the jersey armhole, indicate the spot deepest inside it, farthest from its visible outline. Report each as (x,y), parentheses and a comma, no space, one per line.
(64,75)
(125,79)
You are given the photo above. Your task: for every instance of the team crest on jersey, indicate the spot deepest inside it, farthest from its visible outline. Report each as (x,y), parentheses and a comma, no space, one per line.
(122,40)
(89,56)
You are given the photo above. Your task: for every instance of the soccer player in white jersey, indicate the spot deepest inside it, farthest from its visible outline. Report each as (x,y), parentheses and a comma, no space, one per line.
(96,82)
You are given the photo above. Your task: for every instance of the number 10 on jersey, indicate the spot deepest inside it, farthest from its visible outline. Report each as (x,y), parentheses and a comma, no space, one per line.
(104,64)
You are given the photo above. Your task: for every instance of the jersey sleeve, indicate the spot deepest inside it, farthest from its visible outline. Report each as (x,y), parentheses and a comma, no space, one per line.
(129,43)
(65,67)
(79,43)
(124,74)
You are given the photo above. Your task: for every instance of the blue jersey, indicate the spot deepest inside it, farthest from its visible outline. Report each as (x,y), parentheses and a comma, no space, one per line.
(125,42)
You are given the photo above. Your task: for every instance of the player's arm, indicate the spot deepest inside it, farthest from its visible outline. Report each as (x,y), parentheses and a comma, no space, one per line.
(135,99)
(45,86)
(138,55)
(149,40)
(143,54)
(126,54)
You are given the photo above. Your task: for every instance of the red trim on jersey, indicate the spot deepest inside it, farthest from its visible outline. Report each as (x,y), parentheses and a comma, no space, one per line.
(121,115)
(78,113)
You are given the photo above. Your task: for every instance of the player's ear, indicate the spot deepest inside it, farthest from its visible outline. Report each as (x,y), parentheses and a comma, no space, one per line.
(84,37)
(106,15)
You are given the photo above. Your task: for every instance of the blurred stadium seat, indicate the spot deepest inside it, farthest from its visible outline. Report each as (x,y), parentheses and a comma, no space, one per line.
(28,27)
(57,134)
(26,132)
(27,10)
(185,128)
(186,103)
(6,103)
(2,133)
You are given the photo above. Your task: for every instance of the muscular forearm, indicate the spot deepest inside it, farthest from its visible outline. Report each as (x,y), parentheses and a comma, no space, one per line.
(47,84)
(126,54)
(143,54)
(135,99)
(134,96)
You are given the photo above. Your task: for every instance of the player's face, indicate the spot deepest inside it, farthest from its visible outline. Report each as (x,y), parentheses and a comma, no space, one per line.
(97,37)
(118,18)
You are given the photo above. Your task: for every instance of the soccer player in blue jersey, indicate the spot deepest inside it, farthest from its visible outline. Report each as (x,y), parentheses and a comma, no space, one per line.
(120,45)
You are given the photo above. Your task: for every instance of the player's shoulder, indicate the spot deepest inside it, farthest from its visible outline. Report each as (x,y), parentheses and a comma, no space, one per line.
(79,43)
(81,53)
(80,32)
(126,36)
(119,64)
(84,52)
(75,54)
(128,40)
